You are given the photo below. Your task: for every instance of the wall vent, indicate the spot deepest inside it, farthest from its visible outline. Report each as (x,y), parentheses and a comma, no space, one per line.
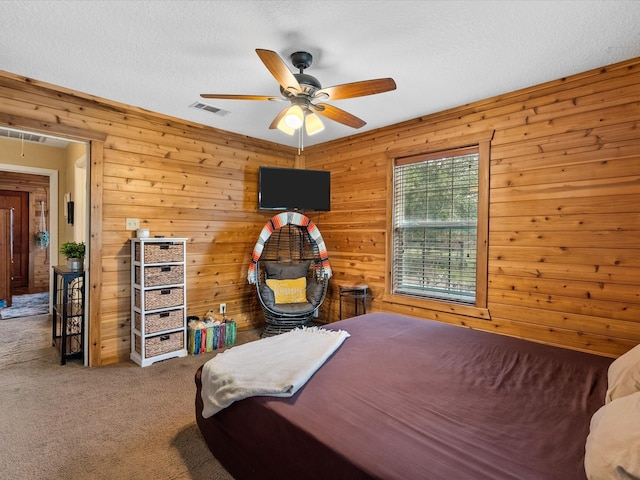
(29,137)
(210,108)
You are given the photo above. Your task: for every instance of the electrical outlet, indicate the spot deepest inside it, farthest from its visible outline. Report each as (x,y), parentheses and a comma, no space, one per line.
(132,223)
(223,308)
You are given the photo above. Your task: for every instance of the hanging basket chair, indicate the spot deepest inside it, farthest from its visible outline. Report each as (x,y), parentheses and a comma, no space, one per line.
(290,249)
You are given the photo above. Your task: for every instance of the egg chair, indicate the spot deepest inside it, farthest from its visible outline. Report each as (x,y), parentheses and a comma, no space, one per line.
(290,269)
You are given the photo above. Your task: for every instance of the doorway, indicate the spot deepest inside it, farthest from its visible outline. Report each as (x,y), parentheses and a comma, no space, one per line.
(57,160)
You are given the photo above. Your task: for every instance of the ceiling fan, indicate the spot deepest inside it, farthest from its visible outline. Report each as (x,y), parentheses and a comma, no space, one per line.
(302,90)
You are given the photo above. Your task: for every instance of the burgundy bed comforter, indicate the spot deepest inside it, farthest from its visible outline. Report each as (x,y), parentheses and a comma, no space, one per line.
(405,398)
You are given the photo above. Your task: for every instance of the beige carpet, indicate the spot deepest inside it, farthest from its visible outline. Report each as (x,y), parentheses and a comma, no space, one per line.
(116,422)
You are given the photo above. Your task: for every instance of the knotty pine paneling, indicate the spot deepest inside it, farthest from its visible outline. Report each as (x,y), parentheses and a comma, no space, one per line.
(180,180)
(564,266)
(564,213)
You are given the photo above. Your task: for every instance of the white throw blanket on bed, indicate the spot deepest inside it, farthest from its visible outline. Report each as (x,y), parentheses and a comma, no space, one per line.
(275,366)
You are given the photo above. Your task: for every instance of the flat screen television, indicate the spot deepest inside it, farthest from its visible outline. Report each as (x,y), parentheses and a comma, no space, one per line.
(294,189)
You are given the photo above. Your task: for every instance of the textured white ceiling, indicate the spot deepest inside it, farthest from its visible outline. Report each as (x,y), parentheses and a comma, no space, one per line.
(160,55)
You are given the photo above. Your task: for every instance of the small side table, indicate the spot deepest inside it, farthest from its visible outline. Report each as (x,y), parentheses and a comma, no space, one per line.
(358,293)
(68,311)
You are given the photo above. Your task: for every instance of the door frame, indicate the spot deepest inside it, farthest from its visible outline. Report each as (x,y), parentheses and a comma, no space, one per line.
(52,201)
(95,151)
(53,235)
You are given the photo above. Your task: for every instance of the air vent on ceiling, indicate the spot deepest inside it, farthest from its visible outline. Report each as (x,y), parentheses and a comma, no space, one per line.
(210,108)
(27,137)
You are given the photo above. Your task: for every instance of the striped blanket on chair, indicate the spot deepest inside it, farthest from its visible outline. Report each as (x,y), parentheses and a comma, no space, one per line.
(279,221)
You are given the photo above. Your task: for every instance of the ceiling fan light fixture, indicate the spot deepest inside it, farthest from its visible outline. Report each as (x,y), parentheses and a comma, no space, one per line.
(284,128)
(302,89)
(294,117)
(313,124)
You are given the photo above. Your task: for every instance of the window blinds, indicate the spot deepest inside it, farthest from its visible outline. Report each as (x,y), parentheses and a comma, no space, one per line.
(435,225)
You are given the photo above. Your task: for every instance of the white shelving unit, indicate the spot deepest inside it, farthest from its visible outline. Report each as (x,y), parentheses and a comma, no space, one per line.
(158,299)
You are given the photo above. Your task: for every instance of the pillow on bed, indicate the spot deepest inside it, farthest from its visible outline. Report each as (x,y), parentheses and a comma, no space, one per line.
(612,450)
(624,375)
(286,271)
(289,291)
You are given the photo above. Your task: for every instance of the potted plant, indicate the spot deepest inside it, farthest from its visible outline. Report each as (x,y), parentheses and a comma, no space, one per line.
(74,253)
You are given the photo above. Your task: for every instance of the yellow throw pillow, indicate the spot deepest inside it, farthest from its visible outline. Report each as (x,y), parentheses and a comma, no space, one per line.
(289,291)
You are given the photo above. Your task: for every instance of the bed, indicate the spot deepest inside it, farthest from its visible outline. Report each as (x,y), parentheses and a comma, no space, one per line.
(417,399)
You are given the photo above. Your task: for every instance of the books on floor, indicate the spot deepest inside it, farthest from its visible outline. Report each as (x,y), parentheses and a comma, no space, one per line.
(206,337)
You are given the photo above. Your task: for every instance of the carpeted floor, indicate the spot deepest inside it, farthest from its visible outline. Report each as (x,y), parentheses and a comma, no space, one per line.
(26,306)
(115,422)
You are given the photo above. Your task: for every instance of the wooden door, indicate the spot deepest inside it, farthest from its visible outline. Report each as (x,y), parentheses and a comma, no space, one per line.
(5,255)
(19,201)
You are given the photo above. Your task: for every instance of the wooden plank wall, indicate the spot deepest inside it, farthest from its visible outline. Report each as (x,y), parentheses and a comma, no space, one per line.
(180,180)
(564,266)
(564,248)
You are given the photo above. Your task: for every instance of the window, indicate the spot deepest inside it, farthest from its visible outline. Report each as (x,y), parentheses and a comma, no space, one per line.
(438,200)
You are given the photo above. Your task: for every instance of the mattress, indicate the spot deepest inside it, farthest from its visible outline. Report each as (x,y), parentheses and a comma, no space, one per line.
(412,398)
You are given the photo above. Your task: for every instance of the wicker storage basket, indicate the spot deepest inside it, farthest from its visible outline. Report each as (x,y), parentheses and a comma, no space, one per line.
(164,275)
(161,252)
(160,298)
(158,322)
(154,346)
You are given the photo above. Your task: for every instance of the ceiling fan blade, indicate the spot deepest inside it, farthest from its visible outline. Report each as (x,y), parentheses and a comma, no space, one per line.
(279,117)
(240,97)
(279,70)
(358,89)
(338,115)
